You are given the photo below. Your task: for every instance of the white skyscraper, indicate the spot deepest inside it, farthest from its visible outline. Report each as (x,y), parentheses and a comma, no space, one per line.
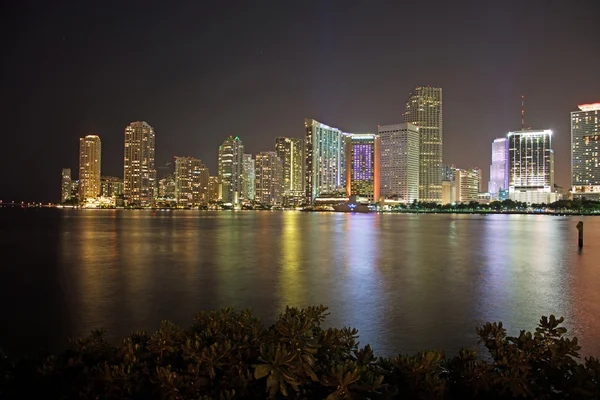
(499,168)
(531,166)
(399,171)
(324,159)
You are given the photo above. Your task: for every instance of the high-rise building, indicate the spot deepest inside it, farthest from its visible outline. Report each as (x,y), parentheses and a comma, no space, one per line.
(89,168)
(167,187)
(290,152)
(585,152)
(66,185)
(191,182)
(248,177)
(230,165)
(499,168)
(324,149)
(111,186)
(139,173)
(424,109)
(268,178)
(531,166)
(213,189)
(467,184)
(362,166)
(399,171)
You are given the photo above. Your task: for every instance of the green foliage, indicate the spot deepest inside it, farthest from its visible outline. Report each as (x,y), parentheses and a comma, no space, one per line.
(230,355)
(505,206)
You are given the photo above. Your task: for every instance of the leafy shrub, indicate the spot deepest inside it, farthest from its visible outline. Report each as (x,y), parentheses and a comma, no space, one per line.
(230,355)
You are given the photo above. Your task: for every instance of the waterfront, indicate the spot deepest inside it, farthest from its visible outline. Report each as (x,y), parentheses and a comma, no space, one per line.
(407,282)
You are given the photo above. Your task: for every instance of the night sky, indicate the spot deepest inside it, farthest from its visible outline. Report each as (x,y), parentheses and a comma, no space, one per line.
(198,71)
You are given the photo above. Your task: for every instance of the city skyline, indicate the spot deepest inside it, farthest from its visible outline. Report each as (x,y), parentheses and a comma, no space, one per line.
(469,51)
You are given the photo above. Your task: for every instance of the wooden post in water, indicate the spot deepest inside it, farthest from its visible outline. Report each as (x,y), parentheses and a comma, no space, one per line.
(580,229)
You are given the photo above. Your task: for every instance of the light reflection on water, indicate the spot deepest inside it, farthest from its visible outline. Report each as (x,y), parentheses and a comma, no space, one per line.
(407,282)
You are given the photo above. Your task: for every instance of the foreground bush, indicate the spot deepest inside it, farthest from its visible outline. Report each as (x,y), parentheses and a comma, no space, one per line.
(229,355)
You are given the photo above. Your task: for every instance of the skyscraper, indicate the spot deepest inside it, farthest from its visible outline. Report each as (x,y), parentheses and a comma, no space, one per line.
(89,168)
(531,166)
(230,165)
(585,152)
(66,185)
(290,152)
(424,109)
(324,159)
(362,166)
(191,182)
(499,168)
(139,173)
(268,178)
(111,186)
(449,184)
(248,177)
(399,171)
(467,184)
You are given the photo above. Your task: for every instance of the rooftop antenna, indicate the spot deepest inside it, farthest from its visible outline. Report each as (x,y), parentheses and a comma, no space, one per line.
(522,113)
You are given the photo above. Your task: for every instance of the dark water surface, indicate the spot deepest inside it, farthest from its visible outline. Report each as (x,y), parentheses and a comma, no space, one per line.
(407,282)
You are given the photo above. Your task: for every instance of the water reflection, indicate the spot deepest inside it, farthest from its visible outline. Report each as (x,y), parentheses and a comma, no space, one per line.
(407,282)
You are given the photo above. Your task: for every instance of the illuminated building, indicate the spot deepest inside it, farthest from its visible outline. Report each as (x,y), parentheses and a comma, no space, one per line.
(499,168)
(399,172)
(268,178)
(166,187)
(139,173)
(290,152)
(362,166)
(467,184)
(230,165)
(89,167)
(531,166)
(191,182)
(66,185)
(248,177)
(448,184)
(111,186)
(213,189)
(585,152)
(424,109)
(324,159)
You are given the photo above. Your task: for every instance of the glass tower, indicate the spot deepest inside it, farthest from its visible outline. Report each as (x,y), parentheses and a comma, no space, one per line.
(139,173)
(499,168)
(399,171)
(230,163)
(89,167)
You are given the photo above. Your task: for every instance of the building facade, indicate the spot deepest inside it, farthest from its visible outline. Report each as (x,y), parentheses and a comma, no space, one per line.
(230,164)
(424,109)
(139,172)
(499,168)
(362,166)
(467,184)
(324,157)
(89,168)
(166,187)
(214,192)
(290,152)
(268,187)
(449,184)
(531,166)
(585,152)
(191,182)
(399,160)
(66,185)
(248,177)
(111,186)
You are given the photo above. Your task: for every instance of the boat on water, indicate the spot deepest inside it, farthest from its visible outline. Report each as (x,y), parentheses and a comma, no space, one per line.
(354,205)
